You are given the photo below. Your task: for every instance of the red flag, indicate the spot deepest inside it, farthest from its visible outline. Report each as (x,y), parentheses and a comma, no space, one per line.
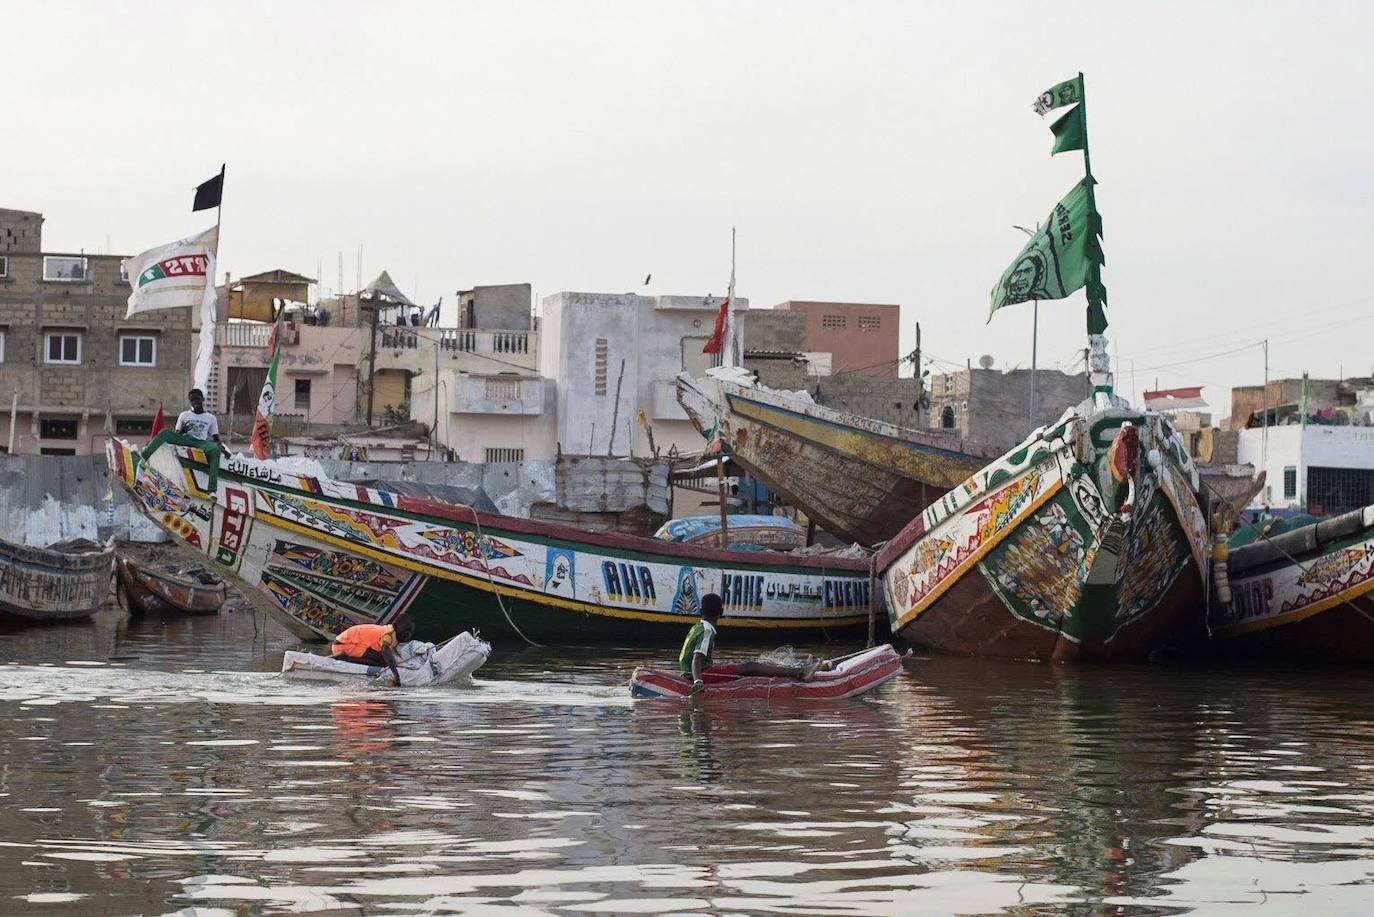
(717,338)
(158,422)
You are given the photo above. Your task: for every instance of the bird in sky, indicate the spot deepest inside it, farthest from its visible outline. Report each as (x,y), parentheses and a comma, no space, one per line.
(647,278)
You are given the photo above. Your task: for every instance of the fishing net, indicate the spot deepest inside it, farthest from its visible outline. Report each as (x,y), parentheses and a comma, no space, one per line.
(786,655)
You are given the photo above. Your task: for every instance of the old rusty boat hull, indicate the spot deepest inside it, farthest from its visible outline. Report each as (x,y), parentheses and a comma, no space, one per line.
(146,591)
(1089,541)
(860,479)
(321,555)
(62,582)
(851,677)
(1304,594)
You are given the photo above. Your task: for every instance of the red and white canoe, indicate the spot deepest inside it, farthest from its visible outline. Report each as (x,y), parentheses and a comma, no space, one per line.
(853,675)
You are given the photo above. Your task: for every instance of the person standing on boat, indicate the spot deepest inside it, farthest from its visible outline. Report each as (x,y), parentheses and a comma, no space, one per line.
(373,644)
(198,422)
(694,660)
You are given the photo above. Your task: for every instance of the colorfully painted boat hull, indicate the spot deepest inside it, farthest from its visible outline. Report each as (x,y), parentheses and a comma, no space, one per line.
(859,478)
(1306,594)
(322,555)
(1048,554)
(850,677)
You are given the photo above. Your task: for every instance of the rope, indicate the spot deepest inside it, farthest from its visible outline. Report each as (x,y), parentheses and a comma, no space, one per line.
(486,568)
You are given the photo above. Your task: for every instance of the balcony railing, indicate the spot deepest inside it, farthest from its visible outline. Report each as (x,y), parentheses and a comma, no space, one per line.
(242,334)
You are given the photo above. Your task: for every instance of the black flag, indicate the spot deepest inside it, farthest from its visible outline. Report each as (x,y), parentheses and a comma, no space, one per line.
(208,192)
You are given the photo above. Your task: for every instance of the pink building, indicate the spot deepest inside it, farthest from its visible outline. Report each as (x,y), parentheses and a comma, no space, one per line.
(861,337)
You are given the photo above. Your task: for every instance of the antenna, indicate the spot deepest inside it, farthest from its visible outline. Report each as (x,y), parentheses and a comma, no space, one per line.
(985,361)
(341,289)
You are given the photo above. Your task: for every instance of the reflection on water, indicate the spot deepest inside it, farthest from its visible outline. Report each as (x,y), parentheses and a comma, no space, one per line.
(151,767)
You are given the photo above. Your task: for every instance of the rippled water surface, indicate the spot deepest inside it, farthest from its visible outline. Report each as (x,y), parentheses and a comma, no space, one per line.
(156,767)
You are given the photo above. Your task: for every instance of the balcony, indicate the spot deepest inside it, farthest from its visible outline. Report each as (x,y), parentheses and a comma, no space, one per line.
(511,395)
(665,403)
(466,349)
(242,334)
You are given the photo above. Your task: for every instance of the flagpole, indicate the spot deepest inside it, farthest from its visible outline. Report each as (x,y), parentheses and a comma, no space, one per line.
(730,318)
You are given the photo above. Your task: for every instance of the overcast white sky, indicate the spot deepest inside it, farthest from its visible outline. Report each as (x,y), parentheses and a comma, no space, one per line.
(872,152)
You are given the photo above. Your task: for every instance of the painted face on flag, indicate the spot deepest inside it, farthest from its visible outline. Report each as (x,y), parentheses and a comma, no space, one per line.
(1026,280)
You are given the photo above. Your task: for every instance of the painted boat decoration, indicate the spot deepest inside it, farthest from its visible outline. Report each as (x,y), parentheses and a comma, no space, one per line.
(859,478)
(745,532)
(1307,593)
(323,555)
(149,591)
(850,677)
(64,581)
(1087,541)
(423,665)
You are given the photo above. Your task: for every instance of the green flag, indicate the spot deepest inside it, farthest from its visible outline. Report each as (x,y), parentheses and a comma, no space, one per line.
(1068,131)
(1063,256)
(1069,92)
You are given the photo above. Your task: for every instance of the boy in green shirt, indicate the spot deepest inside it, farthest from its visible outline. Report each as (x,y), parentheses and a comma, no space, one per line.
(694,659)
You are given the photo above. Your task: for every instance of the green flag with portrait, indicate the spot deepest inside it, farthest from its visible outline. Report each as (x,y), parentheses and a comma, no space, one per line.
(1061,257)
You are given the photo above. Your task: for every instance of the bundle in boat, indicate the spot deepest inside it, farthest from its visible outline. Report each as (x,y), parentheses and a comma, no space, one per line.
(422,664)
(849,677)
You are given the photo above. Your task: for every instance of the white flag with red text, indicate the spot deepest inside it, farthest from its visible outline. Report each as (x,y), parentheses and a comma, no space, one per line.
(177,275)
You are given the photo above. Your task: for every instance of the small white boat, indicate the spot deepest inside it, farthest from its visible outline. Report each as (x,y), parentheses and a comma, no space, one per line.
(422,664)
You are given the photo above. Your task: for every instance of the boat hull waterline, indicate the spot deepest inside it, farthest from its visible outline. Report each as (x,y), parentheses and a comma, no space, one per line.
(63,582)
(322,555)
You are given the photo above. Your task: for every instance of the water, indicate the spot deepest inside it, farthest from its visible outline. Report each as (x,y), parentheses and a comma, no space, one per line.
(181,776)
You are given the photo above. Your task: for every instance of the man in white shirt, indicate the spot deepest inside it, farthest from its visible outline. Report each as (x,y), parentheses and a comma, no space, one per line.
(198,422)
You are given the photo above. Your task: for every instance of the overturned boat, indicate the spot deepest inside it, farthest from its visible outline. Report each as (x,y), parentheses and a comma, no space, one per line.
(421,664)
(1304,593)
(61,582)
(322,555)
(859,478)
(850,676)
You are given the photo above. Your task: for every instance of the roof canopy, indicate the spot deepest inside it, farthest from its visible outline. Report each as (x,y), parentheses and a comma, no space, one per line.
(383,292)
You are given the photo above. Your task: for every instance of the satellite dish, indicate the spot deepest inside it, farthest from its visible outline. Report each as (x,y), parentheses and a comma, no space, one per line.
(985,361)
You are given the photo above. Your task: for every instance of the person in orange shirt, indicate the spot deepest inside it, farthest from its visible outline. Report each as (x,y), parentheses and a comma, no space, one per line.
(373,644)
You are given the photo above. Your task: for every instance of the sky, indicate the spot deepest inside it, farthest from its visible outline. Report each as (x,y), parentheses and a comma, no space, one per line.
(865,152)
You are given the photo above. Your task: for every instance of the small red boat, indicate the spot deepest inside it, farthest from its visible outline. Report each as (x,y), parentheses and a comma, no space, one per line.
(850,676)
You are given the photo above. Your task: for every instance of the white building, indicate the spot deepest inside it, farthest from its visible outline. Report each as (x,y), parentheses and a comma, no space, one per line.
(615,357)
(1314,468)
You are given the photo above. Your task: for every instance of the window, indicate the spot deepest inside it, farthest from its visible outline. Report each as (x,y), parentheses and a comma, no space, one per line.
(123,272)
(62,347)
(1290,482)
(694,361)
(870,323)
(133,427)
(302,394)
(948,383)
(4,265)
(2,345)
(505,455)
(64,267)
(46,450)
(600,366)
(947,418)
(832,321)
(1332,491)
(137,350)
(58,428)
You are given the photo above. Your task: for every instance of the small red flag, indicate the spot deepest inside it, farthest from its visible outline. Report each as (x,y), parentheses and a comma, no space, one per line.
(713,344)
(158,422)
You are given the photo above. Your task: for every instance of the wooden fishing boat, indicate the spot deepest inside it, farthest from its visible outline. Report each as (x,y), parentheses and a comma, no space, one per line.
(860,479)
(422,665)
(1087,541)
(322,555)
(1307,593)
(152,592)
(852,676)
(64,581)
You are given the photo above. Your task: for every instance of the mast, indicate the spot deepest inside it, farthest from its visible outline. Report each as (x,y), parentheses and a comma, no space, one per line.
(1099,363)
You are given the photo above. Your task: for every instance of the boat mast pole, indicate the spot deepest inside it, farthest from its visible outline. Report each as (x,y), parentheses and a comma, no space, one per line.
(1099,367)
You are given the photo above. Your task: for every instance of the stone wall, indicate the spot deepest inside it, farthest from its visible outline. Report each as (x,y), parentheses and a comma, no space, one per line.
(896,401)
(993,407)
(499,307)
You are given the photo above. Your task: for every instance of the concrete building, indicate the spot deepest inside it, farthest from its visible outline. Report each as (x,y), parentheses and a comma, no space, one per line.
(1316,468)
(502,307)
(993,407)
(776,347)
(615,357)
(1332,397)
(860,337)
(68,356)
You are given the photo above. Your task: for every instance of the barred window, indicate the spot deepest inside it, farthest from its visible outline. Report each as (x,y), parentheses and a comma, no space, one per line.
(600,366)
(504,455)
(1290,482)
(832,321)
(870,323)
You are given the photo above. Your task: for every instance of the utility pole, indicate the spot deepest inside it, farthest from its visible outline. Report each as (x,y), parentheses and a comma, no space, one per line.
(920,382)
(1264,434)
(371,360)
